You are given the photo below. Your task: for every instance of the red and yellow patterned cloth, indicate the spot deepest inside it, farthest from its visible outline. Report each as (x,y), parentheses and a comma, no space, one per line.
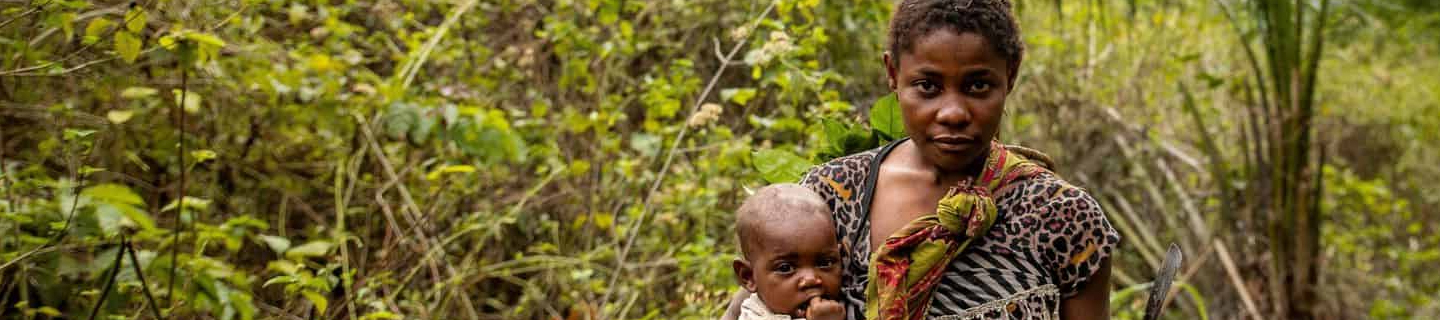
(906,268)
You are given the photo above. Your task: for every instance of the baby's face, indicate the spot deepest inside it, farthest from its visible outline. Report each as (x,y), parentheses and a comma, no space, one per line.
(794,261)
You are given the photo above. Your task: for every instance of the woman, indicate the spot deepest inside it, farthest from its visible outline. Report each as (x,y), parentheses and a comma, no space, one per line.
(961,226)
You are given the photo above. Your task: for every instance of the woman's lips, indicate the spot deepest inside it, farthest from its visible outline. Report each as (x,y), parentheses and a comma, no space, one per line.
(952,143)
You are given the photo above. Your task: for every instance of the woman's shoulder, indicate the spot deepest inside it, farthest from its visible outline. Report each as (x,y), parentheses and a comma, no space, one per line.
(1048,189)
(841,177)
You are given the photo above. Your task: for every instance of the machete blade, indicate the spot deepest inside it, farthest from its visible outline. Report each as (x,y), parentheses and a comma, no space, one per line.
(1161,286)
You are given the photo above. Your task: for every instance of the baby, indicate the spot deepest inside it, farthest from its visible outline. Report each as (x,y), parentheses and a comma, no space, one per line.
(789,257)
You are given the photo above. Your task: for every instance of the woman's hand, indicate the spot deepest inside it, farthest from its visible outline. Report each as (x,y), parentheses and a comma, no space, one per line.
(823,309)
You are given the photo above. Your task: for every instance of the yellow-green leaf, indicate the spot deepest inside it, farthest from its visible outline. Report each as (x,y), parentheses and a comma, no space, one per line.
(202,155)
(320,302)
(138,92)
(277,243)
(135,19)
(381,315)
(119,116)
(127,46)
(113,193)
(49,311)
(94,30)
(449,169)
(309,249)
(192,100)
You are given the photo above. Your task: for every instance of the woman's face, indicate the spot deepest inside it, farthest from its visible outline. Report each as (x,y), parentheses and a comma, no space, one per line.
(951,88)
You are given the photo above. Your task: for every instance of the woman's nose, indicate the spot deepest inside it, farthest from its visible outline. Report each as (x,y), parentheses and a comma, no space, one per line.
(952,112)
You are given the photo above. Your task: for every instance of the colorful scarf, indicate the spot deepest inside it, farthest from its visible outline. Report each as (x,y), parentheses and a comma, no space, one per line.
(905,270)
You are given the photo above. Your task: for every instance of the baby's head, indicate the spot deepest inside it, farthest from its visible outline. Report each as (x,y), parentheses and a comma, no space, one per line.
(788,253)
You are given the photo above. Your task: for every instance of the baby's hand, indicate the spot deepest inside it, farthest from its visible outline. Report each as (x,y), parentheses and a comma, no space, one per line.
(822,309)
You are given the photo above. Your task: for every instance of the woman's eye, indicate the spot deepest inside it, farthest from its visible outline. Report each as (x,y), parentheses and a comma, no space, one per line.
(978,87)
(927,86)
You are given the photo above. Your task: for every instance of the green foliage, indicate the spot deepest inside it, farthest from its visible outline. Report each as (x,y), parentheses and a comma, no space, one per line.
(400,159)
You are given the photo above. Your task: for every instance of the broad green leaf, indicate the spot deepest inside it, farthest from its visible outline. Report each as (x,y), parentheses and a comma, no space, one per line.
(320,302)
(885,118)
(94,30)
(777,166)
(135,19)
(834,132)
(113,193)
(127,46)
(309,249)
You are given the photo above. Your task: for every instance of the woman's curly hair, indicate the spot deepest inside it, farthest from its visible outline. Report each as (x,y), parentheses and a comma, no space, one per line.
(992,19)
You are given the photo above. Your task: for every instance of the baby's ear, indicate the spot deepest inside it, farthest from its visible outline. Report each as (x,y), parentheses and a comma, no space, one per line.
(744,274)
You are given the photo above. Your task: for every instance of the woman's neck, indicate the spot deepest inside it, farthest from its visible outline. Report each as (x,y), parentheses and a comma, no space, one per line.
(941,176)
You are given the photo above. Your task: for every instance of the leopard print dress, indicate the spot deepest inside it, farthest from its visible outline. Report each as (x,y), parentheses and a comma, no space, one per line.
(1049,238)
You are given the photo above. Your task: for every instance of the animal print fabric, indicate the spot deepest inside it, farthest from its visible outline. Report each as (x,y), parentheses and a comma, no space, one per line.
(1048,240)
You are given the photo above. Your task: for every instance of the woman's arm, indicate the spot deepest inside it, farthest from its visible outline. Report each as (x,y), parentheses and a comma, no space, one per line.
(1093,300)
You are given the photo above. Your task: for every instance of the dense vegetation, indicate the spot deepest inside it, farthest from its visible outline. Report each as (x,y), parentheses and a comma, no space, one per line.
(568,159)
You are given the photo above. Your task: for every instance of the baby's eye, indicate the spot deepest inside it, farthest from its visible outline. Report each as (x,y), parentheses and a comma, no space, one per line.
(784,268)
(978,87)
(826,263)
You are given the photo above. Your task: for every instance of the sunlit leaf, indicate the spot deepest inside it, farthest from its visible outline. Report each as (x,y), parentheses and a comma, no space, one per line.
(885,118)
(95,30)
(119,116)
(192,100)
(777,166)
(320,302)
(277,243)
(191,203)
(381,315)
(202,155)
(435,174)
(135,19)
(113,193)
(137,92)
(309,249)
(127,45)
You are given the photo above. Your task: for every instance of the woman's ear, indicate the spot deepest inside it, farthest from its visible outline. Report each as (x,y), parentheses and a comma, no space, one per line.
(744,274)
(889,69)
(1014,73)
